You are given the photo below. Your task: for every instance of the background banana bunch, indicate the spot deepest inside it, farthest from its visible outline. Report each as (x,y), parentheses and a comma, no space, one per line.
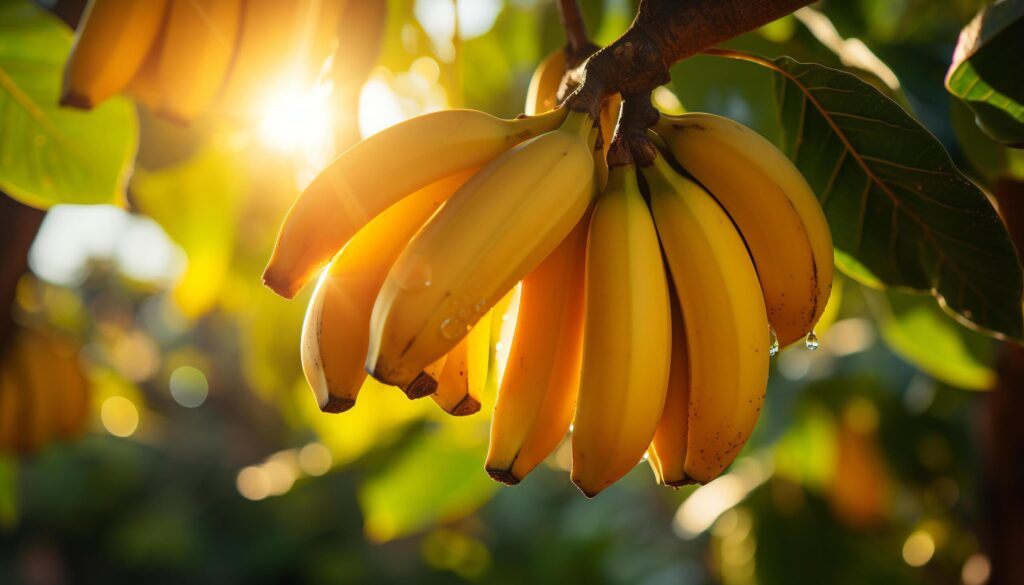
(44,395)
(183,57)
(648,310)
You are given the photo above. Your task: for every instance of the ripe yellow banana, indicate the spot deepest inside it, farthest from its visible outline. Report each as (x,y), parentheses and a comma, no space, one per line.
(461,385)
(538,392)
(281,48)
(542,95)
(626,346)
(374,174)
(112,40)
(198,43)
(495,229)
(723,314)
(773,207)
(668,449)
(335,332)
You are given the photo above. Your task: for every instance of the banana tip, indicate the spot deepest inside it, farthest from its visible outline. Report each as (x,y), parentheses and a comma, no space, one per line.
(591,494)
(466,407)
(335,404)
(284,287)
(504,476)
(74,100)
(423,385)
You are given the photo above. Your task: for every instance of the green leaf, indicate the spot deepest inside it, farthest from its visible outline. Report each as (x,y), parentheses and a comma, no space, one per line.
(917,331)
(897,206)
(49,154)
(985,72)
(196,202)
(440,477)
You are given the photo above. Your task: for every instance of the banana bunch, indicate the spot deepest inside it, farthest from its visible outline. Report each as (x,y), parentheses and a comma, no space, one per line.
(424,227)
(651,298)
(43,393)
(182,57)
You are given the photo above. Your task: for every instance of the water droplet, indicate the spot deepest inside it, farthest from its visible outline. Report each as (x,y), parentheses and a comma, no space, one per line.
(463,314)
(773,342)
(480,306)
(453,327)
(414,274)
(812,342)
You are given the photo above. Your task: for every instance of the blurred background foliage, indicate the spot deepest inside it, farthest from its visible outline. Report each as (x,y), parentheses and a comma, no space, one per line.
(205,458)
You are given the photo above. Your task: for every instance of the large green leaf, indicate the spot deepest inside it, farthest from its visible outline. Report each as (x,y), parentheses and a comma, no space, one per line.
(897,206)
(438,478)
(985,71)
(49,154)
(916,330)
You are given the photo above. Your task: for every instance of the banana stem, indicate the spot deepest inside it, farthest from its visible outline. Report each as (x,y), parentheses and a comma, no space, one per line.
(630,143)
(579,47)
(664,33)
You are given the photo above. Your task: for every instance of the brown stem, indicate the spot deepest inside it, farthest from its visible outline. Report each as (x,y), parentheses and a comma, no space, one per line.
(664,33)
(630,143)
(580,46)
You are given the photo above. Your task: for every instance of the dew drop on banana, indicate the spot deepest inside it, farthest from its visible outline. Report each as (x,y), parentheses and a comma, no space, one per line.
(812,341)
(773,342)
(414,275)
(453,327)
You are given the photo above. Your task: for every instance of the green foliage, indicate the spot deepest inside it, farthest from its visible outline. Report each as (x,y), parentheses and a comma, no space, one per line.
(438,478)
(894,199)
(50,154)
(985,72)
(196,202)
(919,332)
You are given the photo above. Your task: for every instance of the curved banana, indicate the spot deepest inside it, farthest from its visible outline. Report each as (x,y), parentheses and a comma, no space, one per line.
(626,351)
(281,47)
(773,207)
(374,174)
(113,39)
(538,392)
(461,385)
(668,448)
(542,95)
(198,44)
(723,313)
(499,226)
(335,332)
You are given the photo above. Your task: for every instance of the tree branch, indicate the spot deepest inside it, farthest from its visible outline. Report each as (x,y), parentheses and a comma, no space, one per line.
(580,46)
(664,33)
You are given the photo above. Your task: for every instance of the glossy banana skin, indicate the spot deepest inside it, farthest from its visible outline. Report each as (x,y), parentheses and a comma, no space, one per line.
(626,348)
(379,171)
(335,332)
(537,397)
(773,207)
(113,40)
(499,226)
(725,323)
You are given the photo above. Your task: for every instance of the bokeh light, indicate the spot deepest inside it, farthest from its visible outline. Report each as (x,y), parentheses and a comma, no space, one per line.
(188,386)
(119,416)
